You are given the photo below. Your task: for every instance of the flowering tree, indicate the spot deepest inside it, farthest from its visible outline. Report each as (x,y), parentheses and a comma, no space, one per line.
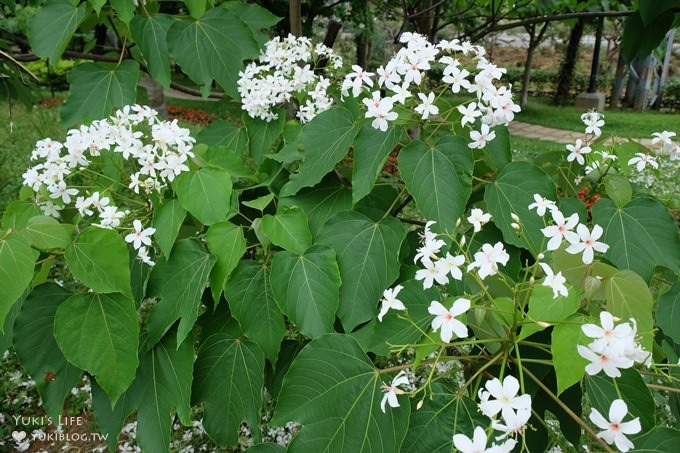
(379,267)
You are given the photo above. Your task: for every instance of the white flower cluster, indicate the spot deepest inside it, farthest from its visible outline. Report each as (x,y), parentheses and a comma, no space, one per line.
(439,269)
(662,145)
(515,411)
(405,71)
(582,240)
(613,348)
(157,151)
(286,71)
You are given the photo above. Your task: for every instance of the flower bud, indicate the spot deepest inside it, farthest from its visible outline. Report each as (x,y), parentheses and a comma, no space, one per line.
(420,404)
(591,285)
(540,257)
(543,324)
(515,226)
(514,217)
(458,221)
(462,241)
(531,280)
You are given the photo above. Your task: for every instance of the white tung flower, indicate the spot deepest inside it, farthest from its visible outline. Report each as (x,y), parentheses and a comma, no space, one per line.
(390,301)
(615,429)
(478,443)
(488,259)
(541,204)
(392,390)
(587,242)
(140,235)
(445,319)
(478,219)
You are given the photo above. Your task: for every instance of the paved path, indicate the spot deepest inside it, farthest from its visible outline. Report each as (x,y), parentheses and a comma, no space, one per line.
(550,134)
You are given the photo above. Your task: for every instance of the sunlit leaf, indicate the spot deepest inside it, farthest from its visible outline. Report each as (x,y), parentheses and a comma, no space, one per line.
(205,193)
(99,258)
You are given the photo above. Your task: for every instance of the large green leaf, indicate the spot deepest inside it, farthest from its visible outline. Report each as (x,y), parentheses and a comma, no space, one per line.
(179,283)
(99,333)
(229,379)
(289,230)
(640,38)
(512,192)
(569,366)
(47,233)
(226,243)
(326,139)
(439,177)
(224,133)
(320,204)
(149,32)
(52,28)
(443,414)
(256,17)
(18,213)
(251,301)
(641,235)
(334,391)
(99,258)
(212,48)
(589,277)
(377,336)
(263,134)
(17,260)
(668,313)
(367,252)
(167,220)
(628,297)
(499,150)
(371,149)
(661,439)
(163,387)
(630,387)
(109,419)
(307,287)
(38,351)
(125,9)
(205,193)
(7,331)
(95,90)
(544,308)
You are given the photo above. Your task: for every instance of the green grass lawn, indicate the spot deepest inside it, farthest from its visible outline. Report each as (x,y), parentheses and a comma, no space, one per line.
(619,122)
(20,128)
